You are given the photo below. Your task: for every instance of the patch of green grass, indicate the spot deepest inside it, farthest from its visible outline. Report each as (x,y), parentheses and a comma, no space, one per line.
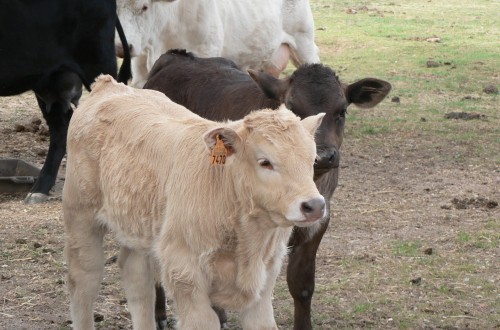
(481,239)
(362,308)
(406,249)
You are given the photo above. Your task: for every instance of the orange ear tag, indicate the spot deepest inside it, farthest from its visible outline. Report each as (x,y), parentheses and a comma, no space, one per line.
(219,152)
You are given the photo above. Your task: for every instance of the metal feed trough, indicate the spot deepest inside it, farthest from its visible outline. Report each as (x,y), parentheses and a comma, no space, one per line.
(17,175)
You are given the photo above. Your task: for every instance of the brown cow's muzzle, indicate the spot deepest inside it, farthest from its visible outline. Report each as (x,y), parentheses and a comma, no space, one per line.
(326,160)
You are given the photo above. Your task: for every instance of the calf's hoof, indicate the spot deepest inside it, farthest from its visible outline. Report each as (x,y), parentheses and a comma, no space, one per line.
(161,324)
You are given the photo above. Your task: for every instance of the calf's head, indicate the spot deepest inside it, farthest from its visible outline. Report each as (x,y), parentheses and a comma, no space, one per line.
(270,160)
(314,88)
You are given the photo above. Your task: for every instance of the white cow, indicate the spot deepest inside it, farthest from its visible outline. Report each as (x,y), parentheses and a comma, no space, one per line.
(139,166)
(255,34)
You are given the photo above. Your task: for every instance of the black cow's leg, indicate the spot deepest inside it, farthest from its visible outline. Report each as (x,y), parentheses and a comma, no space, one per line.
(301,272)
(57,121)
(160,308)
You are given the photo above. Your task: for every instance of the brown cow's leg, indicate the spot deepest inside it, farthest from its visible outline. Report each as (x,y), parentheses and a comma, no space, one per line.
(301,271)
(221,313)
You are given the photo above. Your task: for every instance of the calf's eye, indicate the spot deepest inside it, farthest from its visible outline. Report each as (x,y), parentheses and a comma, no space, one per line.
(265,164)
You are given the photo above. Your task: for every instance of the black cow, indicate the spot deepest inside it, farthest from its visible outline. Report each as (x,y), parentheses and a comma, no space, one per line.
(217,89)
(53,47)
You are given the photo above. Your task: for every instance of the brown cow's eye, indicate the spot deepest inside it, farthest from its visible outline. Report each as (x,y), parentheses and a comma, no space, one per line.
(266,164)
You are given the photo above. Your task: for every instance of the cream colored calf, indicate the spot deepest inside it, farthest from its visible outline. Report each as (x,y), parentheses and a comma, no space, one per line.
(140,166)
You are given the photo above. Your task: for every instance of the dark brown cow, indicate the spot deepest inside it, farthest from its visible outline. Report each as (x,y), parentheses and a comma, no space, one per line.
(217,89)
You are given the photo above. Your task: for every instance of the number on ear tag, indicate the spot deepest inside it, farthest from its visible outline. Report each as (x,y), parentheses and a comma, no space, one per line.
(219,152)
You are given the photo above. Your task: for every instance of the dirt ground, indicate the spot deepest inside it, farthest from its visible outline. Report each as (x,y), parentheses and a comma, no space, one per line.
(413,241)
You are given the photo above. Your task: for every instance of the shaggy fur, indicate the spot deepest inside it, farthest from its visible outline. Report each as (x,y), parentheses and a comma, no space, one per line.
(138,165)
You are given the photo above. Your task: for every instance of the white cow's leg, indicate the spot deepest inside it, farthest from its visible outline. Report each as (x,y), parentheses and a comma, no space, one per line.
(85,258)
(306,50)
(139,70)
(278,61)
(138,281)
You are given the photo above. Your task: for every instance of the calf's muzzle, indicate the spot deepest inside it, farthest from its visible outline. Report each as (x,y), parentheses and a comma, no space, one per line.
(327,159)
(313,209)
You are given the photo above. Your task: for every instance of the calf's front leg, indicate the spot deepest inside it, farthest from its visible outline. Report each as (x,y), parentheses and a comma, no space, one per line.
(138,281)
(301,272)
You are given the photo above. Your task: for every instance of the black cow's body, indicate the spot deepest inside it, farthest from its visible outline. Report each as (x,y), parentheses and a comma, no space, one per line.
(217,89)
(53,47)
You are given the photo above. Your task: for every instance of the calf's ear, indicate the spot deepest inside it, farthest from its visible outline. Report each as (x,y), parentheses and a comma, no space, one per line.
(231,139)
(312,123)
(274,88)
(368,92)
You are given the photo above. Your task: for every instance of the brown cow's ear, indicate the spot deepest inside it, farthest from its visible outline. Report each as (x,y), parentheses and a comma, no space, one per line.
(229,137)
(368,92)
(312,123)
(274,88)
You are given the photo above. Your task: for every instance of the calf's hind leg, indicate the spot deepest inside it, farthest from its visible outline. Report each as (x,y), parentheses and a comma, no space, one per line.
(85,258)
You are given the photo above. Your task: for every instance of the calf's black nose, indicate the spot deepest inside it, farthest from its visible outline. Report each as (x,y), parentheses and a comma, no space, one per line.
(313,209)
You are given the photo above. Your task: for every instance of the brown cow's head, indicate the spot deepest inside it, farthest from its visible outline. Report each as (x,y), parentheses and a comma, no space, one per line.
(270,158)
(314,88)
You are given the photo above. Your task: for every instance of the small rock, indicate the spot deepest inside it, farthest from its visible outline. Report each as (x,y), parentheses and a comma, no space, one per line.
(5,277)
(428,251)
(32,128)
(42,152)
(19,128)
(416,281)
(98,317)
(111,260)
(396,99)
(434,39)
(21,240)
(351,11)
(37,245)
(491,204)
(490,89)
(44,131)
(464,115)
(36,121)
(471,97)
(432,64)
